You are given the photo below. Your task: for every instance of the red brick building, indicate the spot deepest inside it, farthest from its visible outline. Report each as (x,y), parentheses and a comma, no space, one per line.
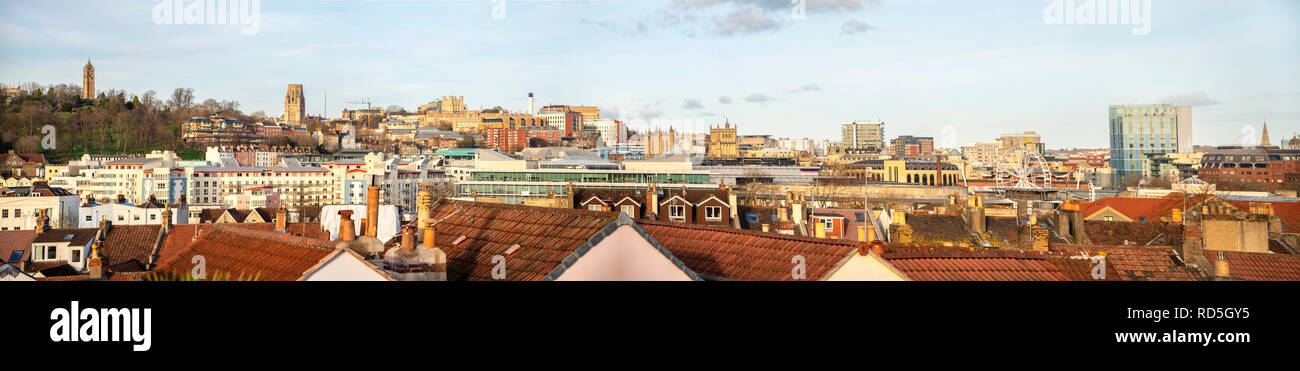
(1269,165)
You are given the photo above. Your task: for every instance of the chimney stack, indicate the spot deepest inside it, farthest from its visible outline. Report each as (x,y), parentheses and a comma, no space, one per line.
(423,204)
(372,211)
(346,226)
(95,265)
(408,238)
(281,219)
(430,234)
(1221,267)
(167,218)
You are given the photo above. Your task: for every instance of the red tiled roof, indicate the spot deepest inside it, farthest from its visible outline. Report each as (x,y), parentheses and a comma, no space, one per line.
(1138,263)
(240,252)
(547,236)
(737,254)
(127,243)
(1150,209)
(182,235)
(11,241)
(933,263)
(1133,233)
(1254,266)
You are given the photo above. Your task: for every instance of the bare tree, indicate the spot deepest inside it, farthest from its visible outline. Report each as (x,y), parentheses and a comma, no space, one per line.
(181,98)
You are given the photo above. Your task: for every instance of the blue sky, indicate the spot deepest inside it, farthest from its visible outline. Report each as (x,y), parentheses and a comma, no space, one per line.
(977,68)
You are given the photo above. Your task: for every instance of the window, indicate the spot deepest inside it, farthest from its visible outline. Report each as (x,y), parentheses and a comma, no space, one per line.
(713,213)
(595,208)
(677,212)
(4,213)
(1110,218)
(828,224)
(76,256)
(51,253)
(629,210)
(87,217)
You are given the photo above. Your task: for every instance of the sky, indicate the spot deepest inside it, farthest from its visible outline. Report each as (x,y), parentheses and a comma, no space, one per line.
(960,71)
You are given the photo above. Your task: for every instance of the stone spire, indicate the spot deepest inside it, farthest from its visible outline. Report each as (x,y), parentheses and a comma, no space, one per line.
(1264,140)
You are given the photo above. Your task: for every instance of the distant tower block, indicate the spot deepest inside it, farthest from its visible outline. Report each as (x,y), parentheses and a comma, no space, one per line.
(294,105)
(88,81)
(530,104)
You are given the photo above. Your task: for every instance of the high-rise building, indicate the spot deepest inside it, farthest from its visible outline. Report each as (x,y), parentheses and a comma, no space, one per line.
(1140,129)
(864,135)
(723,142)
(88,81)
(294,105)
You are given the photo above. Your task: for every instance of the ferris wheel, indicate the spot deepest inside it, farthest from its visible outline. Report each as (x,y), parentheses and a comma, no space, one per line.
(1024,168)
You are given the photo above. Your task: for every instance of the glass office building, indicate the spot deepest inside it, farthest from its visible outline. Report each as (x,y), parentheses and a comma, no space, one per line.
(1137,130)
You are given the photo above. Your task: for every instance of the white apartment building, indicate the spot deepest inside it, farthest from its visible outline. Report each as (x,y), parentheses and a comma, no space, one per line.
(296,185)
(149,213)
(398,178)
(157,174)
(18,211)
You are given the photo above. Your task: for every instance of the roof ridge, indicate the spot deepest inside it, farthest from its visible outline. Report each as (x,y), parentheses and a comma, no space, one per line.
(284,238)
(748,232)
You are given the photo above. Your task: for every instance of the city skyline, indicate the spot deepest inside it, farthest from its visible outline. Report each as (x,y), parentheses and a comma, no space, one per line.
(683,60)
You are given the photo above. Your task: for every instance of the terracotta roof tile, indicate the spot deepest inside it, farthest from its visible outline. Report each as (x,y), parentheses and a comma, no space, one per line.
(125,244)
(547,236)
(934,263)
(182,235)
(1138,263)
(252,254)
(1133,233)
(11,241)
(736,254)
(1252,266)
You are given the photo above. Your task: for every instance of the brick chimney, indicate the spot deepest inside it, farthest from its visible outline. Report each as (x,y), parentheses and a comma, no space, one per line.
(346,226)
(167,218)
(372,211)
(652,202)
(281,219)
(1221,267)
(42,221)
(899,230)
(95,265)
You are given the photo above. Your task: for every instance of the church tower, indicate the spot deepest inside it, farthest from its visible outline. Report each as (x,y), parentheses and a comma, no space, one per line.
(88,81)
(294,106)
(1264,140)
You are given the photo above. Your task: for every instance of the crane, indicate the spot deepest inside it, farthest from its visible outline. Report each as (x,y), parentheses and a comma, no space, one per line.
(364,101)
